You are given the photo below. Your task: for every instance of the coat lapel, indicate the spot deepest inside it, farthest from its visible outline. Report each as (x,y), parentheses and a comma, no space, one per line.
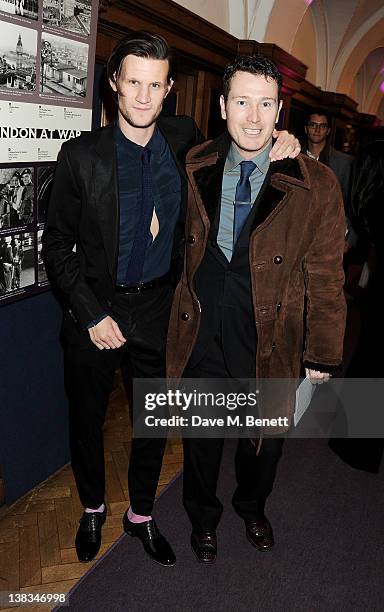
(106,191)
(269,197)
(209,182)
(206,166)
(280,179)
(207,171)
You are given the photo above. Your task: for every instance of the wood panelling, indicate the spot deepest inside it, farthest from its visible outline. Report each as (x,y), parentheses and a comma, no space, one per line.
(191,35)
(203,50)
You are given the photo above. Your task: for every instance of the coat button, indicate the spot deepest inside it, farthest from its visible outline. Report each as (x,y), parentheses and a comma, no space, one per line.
(191,239)
(278,306)
(185,316)
(277,259)
(273,346)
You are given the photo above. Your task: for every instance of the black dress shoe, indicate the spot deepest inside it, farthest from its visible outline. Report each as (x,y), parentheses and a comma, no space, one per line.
(88,537)
(204,545)
(155,544)
(260,534)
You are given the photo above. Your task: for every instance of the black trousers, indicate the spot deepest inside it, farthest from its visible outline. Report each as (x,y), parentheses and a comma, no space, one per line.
(255,474)
(143,320)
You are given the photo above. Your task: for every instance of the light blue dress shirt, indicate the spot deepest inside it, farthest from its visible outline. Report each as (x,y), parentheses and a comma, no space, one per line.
(231,177)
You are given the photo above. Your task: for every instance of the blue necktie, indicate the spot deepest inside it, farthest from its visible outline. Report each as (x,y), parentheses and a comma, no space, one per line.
(140,242)
(242,202)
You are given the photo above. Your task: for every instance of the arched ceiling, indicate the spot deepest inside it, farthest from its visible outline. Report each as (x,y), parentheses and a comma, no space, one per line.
(334,42)
(346,33)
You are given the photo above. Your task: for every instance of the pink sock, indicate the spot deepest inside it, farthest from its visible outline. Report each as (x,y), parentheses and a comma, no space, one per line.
(137,518)
(99,509)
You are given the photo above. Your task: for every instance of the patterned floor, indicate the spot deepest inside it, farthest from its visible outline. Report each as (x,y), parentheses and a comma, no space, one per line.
(37,533)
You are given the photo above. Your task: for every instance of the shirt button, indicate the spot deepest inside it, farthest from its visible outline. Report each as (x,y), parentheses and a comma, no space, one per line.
(191,239)
(185,316)
(277,259)
(278,306)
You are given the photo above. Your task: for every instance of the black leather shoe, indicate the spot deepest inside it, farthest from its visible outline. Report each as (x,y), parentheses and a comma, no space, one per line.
(155,544)
(88,537)
(260,534)
(204,545)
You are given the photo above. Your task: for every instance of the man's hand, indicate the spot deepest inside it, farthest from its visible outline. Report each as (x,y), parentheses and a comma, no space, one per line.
(316,377)
(286,145)
(106,334)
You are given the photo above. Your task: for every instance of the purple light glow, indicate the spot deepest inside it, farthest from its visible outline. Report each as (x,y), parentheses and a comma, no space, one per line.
(308,2)
(382,87)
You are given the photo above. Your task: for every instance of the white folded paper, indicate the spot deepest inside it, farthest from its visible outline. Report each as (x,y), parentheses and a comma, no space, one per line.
(304,393)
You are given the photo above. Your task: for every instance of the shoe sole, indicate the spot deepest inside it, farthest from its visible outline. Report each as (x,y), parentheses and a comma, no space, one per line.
(255,545)
(88,560)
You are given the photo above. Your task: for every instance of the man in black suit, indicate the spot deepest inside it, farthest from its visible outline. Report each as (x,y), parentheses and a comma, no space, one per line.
(118,197)
(318,147)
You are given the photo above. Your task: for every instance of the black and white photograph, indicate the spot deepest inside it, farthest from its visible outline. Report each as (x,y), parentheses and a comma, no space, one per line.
(17,194)
(71,15)
(64,65)
(17,269)
(22,8)
(41,273)
(18,48)
(44,186)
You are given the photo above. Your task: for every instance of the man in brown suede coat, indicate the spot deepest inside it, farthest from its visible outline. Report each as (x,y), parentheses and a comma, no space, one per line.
(262,289)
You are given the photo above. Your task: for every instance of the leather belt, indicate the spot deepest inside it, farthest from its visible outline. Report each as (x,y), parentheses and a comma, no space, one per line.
(156,282)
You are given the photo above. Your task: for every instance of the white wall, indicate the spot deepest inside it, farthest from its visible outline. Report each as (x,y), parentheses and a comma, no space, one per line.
(215,11)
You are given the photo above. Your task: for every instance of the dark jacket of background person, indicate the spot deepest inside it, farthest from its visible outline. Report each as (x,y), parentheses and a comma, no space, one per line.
(367,216)
(342,166)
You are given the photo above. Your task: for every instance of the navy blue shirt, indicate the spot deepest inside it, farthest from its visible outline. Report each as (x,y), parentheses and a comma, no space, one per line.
(166,186)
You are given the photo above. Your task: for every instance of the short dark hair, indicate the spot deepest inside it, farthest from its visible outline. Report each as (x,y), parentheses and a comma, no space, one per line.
(254,64)
(141,44)
(320,111)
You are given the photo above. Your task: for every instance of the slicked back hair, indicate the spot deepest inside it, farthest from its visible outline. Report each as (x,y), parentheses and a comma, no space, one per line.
(254,64)
(322,112)
(141,44)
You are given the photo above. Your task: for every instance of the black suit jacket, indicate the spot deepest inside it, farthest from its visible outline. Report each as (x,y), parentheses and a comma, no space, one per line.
(342,166)
(80,241)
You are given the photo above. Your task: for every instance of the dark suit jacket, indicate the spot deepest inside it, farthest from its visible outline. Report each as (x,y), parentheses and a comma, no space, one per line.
(342,166)
(80,241)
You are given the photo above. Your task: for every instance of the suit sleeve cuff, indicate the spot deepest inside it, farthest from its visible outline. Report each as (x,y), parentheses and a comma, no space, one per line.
(333,370)
(96,321)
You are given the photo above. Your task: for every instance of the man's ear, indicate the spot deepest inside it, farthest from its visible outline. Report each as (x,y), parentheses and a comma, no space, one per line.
(113,84)
(222,107)
(278,112)
(169,87)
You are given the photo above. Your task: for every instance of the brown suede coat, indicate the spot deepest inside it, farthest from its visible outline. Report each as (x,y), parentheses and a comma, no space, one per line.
(295,253)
